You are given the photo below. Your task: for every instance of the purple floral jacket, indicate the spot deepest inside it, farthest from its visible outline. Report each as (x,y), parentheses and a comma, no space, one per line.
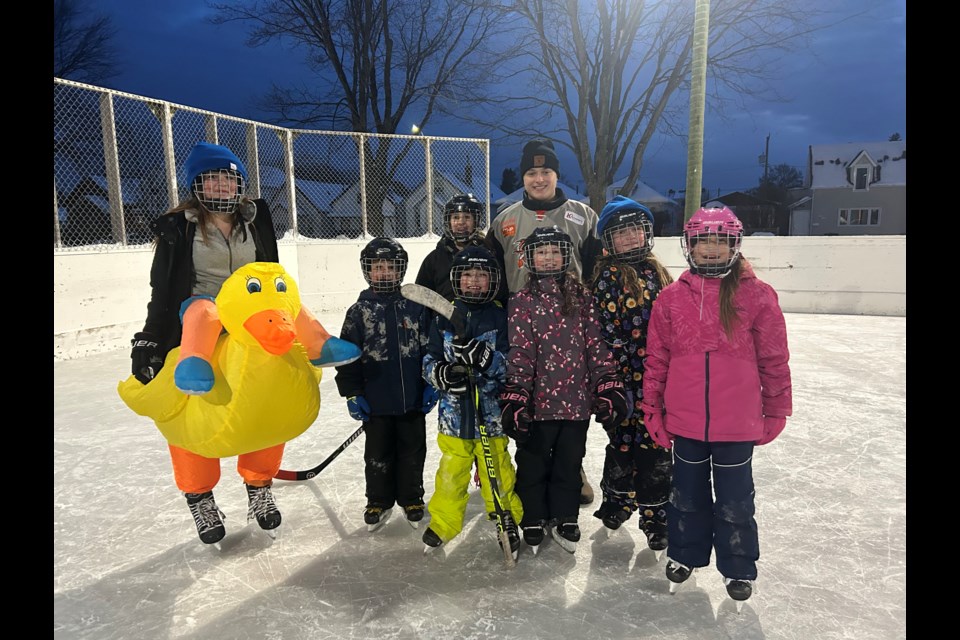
(558,359)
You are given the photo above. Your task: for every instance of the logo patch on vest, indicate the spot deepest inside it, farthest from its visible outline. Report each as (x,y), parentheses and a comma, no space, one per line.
(509,228)
(574,217)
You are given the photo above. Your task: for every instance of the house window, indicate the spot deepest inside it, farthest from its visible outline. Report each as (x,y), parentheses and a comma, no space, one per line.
(859,217)
(860,182)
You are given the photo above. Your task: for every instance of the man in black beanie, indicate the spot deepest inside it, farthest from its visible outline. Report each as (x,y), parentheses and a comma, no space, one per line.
(543,205)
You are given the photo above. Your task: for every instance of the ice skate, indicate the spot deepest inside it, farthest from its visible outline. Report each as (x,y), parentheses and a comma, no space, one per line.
(656,534)
(510,527)
(414,513)
(567,534)
(677,573)
(207,516)
(375,516)
(263,509)
(431,541)
(612,515)
(533,536)
(738,590)
(586,491)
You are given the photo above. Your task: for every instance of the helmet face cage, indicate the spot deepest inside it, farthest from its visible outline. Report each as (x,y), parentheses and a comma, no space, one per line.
(708,224)
(465,204)
(531,245)
(381,256)
(219,205)
(636,221)
(471,295)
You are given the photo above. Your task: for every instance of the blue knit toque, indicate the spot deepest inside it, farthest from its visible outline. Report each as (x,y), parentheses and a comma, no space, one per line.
(620,204)
(206,156)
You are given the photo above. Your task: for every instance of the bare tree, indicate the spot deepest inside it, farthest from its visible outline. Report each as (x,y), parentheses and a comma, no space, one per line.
(377,64)
(611,71)
(82,43)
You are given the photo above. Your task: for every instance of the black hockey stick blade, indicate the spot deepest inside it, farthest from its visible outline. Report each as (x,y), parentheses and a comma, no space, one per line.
(307,474)
(433,300)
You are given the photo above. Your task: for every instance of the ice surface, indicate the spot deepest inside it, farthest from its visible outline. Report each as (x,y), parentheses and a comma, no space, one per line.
(831,509)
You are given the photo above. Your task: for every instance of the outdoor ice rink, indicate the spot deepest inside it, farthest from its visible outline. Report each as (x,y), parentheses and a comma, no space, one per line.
(831,509)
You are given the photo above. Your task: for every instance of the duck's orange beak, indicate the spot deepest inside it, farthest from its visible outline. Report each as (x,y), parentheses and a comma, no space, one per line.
(273,329)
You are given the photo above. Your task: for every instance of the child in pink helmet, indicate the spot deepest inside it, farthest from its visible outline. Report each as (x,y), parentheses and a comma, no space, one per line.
(716,384)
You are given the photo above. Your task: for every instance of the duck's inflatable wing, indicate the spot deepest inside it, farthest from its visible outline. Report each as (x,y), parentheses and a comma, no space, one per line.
(259,398)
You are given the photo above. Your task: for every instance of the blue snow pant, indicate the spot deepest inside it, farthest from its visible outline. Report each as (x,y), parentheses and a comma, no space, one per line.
(696,523)
(548,471)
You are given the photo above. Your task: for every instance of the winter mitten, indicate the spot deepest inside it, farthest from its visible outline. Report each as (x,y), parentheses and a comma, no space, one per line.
(450,377)
(772,426)
(145,356)
(359,408)
(612,405)
(430,397)
(474,353)
(515,413)
(193,376)
(653,421)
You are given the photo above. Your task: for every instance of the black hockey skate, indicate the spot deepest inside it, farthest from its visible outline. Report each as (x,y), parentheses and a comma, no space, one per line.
(414,513)
(612,515)
(567,534)
(510,527)
(207,516)
(376,515)
(738,590)
(677,574)
(263,509)
(533,536)
(656,537)
(431,540)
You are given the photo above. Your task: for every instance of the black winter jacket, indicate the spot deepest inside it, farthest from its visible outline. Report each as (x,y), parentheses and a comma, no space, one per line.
(392,332)
(172,277)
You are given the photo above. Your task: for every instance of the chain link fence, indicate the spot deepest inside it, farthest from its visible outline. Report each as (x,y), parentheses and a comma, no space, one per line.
(118,164)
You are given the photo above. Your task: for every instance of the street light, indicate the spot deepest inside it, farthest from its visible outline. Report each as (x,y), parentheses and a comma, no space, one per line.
(698,83)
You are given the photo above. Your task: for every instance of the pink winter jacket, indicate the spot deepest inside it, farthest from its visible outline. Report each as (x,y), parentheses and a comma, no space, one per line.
(711,388)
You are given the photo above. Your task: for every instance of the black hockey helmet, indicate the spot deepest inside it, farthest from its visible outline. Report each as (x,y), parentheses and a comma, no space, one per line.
(380,249)
(544,236)
(465,203)
(467,260)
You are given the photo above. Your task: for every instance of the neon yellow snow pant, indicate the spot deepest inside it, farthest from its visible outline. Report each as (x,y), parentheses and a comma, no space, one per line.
(449,501)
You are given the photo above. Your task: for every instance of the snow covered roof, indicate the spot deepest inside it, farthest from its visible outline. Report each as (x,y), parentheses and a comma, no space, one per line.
(642,193)
(829,162)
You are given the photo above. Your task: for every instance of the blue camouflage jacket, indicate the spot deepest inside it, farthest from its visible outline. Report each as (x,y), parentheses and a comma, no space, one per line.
(457,412)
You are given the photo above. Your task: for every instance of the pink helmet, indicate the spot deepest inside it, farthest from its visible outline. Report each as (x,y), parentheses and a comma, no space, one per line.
(721,223)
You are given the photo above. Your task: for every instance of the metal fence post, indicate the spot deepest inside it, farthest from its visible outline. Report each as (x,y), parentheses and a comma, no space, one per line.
(363,184)
(428,160)
(112,168)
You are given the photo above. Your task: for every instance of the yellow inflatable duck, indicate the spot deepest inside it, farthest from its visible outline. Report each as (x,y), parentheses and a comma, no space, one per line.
(255,386)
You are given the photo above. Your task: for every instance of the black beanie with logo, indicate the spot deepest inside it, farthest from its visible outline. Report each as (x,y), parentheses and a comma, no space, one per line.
(539,153)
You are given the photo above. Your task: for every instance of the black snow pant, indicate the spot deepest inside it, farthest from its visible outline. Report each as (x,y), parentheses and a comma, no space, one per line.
(696,523)
(394,452)
(548,471)
(637,473)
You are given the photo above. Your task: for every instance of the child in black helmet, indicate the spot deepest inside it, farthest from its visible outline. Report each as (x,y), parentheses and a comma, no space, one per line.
(474,276)
(559,372)
(464,218)
(384,388)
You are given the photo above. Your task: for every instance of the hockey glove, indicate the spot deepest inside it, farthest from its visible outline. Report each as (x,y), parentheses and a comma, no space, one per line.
(359,408)
(772,426)
(430,397)
(612,404)
(145,356)
(450,377)
(475,353)
(653,421)
(515,415)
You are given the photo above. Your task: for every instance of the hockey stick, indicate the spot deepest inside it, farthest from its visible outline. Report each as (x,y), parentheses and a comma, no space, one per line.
(307,474)
(433,300)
